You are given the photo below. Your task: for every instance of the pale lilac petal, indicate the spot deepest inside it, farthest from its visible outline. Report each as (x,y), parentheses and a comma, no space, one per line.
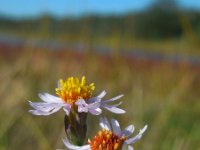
(96,101)
(116,126)
(82,109)
(116,105)
(113,99)
(128,131)
(96,111)
(114,109)
(55,110)
(97,98)
(104,124)
(127,147)
(80,102)
(93,100)
(102,94)
(46,107)
(82,105)
(137,137)
(41,106)
(49,105)
(130,147)
(94,105)
(67,109)
(46,97)
(39,112)
(74,147)
(93,108)
(143,129)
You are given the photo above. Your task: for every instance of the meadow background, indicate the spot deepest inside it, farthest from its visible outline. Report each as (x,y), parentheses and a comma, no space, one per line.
(151,56)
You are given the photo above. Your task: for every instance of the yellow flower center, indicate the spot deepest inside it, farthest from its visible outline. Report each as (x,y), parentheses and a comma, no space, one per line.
(106,140)
(71,89)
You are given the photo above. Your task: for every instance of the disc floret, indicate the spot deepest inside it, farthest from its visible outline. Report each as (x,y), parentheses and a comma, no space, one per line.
(106,140)
(73,89)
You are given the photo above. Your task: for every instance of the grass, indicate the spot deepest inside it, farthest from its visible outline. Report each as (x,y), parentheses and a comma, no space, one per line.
(185,45)
(162,96)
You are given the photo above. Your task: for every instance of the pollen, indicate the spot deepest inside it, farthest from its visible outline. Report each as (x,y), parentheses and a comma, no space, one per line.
(106,140)
(73,89)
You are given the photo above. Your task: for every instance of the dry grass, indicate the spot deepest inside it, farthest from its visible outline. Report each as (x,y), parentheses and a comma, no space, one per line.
(162,96)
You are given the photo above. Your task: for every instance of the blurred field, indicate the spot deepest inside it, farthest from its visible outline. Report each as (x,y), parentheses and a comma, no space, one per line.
(152,57)
(164,96)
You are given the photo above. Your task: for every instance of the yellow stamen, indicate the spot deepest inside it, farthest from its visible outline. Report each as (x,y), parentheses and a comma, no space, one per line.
(71,89)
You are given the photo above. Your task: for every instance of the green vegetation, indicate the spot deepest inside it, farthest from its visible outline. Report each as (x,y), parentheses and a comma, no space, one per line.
(162,95)
(163,27)
(165,98)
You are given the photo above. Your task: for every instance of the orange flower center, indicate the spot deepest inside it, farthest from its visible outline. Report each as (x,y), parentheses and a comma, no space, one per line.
(106,140)
(71,90)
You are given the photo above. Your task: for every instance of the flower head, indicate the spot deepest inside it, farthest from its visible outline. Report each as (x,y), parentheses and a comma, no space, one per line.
(110,137)
(106,139)
(74,94)
(71,90)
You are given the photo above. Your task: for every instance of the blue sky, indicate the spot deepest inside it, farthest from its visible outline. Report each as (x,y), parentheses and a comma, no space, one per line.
(34,8)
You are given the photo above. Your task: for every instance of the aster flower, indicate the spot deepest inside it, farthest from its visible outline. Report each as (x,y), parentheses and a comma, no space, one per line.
(110,137)
(75,98)
(74,94)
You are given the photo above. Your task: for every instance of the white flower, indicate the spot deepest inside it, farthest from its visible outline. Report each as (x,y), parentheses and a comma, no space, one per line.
(50,105)
(116,138)
(72,92)
(94,105)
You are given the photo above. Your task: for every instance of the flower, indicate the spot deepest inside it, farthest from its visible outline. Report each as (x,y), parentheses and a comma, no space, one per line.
(109,138)
(74,94)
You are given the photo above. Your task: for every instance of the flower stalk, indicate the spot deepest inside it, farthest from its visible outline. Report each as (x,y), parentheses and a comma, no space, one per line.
(76,127)
(75,97)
